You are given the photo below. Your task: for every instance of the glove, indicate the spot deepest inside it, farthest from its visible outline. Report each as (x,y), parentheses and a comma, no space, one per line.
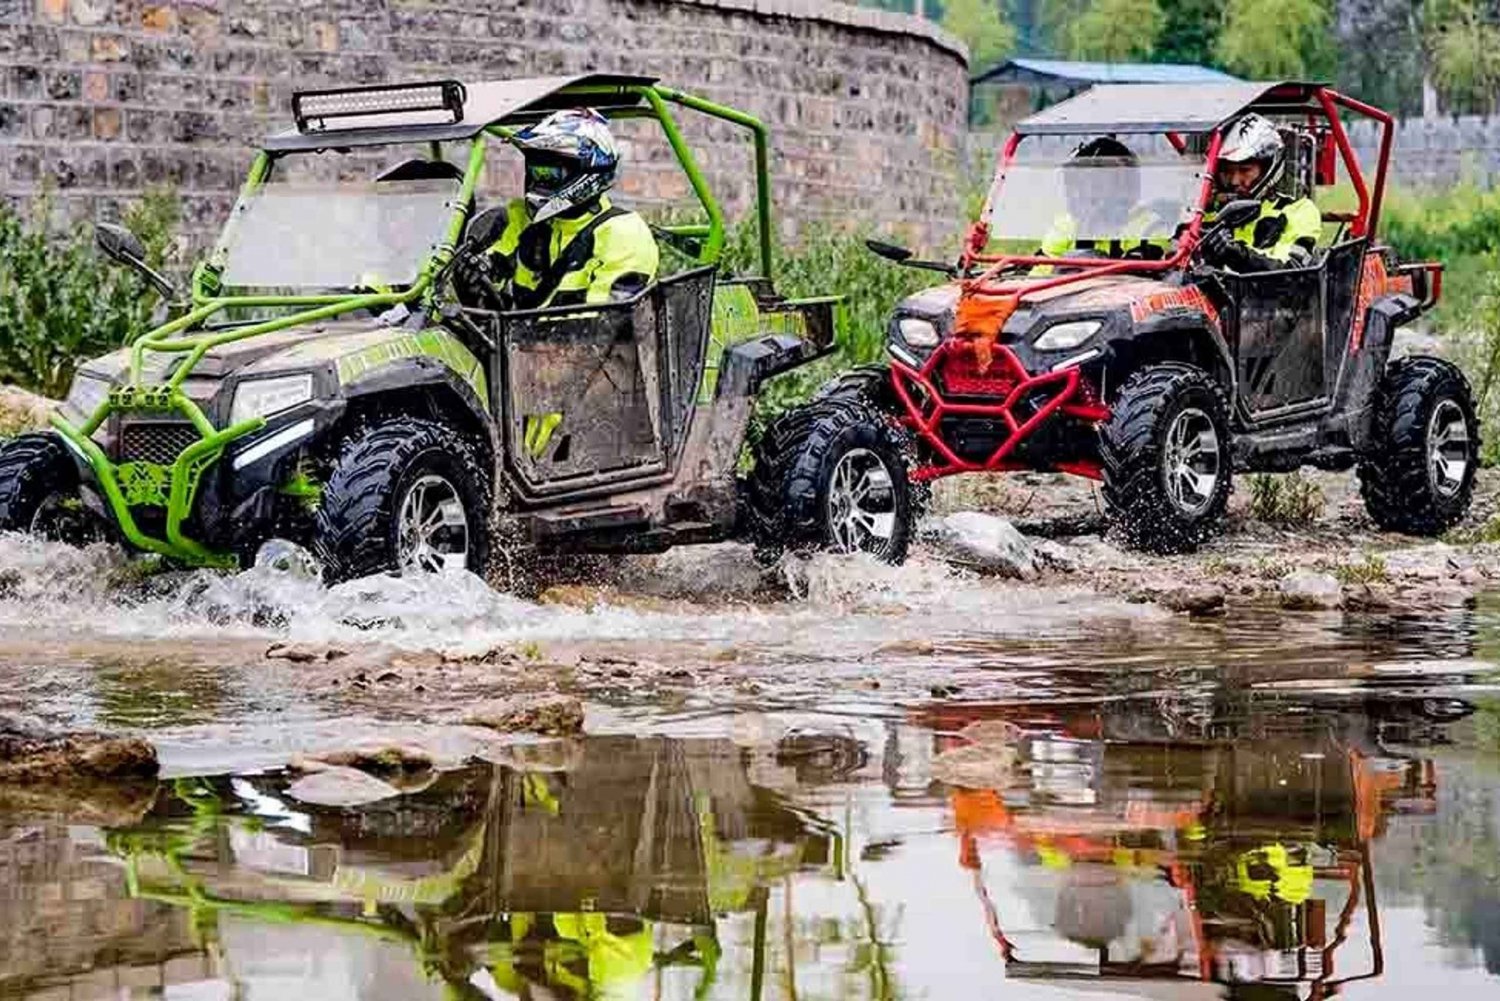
(474,283)
(1221,249)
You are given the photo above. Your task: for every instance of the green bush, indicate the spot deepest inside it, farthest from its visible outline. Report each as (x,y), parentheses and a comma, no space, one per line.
(61,302)
(830,261)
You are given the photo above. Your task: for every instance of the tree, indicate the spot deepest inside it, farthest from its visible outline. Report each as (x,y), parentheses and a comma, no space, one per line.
(1277,39)
(982,27)
(1381,53)
(1464,42)
(1190,30)
(1116,31)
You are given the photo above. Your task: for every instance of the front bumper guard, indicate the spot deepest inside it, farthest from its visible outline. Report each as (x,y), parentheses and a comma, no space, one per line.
(184,474)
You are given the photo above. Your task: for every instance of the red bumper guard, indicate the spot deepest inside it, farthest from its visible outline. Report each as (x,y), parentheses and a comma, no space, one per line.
(1006,379)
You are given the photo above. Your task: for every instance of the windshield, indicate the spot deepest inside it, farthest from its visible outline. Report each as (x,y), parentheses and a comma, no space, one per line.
(1093,198)
(337,234)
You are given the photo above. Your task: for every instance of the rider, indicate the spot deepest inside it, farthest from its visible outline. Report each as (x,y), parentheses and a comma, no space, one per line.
(1101,182)
(563,244)
(1252,160)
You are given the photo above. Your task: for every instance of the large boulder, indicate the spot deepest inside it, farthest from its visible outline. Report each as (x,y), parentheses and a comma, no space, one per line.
(985,543)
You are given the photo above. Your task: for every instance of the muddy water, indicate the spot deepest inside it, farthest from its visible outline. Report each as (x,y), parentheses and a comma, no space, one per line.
(887,784)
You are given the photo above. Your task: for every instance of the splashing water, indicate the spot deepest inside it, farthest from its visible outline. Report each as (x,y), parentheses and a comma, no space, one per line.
(707,594)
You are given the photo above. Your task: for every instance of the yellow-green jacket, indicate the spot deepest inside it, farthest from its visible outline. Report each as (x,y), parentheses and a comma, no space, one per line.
(1287,229)
(545,264)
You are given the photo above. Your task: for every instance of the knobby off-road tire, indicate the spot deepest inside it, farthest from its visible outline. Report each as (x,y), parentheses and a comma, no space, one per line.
(39,491)
(390,475)
(1418,476)
(868,384)
(833,474)
(1166,457)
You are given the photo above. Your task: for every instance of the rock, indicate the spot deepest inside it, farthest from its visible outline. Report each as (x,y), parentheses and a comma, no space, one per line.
(1433,561)
(32,757)
(341,787)
(549,714)
(1093,553)
(1055,556)
(1307,590)
(1471,577)
(304,653)
(374,758)
(987,543)
(1194,599)
(1370,598)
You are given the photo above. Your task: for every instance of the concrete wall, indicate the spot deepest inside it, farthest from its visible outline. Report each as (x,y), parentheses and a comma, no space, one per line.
(102,98)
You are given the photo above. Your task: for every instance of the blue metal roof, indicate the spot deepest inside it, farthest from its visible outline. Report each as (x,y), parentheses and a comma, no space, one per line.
(1083,72)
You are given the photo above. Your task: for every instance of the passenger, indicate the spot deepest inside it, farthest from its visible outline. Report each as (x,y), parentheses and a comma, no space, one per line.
(1101,182)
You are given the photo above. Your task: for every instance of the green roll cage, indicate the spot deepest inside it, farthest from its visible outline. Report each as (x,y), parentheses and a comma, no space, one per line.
(175,336)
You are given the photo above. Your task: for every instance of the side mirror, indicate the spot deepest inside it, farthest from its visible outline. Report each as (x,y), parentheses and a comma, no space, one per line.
(1238,212)
(121,245)
(485,228)
(889,251)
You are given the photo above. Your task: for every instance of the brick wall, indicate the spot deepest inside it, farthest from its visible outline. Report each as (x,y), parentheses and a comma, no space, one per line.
(102,98)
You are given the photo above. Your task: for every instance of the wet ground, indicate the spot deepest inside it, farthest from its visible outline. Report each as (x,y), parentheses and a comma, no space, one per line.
(839,779)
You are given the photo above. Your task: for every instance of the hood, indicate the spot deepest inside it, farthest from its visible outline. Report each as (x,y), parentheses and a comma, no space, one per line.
(296,346)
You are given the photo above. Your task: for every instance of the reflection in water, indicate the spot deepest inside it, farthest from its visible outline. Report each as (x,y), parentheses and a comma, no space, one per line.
(1223,846)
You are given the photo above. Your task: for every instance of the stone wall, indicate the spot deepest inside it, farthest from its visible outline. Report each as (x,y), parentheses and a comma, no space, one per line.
(102,98)
(1436,152)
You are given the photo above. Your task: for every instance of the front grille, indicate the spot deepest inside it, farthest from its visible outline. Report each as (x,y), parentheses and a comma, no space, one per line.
(160,442)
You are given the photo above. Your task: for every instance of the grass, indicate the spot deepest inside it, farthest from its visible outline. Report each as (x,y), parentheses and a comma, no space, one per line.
(1291,501)
(1370,570)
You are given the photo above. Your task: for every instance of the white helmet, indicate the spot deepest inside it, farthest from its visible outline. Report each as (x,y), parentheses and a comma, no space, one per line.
(1254,139)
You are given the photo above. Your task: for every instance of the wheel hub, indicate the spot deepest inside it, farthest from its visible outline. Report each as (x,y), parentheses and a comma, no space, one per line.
(861,503)
(1447,448)
(1191,461)
(432,527)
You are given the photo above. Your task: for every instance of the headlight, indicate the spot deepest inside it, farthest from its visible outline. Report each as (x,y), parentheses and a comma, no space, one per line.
(918,333)
(263,397)
(1067,335)
(86,393)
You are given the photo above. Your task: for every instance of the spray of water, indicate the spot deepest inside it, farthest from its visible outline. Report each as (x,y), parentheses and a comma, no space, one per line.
(709,594)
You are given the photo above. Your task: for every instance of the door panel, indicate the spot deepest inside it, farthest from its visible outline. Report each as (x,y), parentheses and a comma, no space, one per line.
(1278,337)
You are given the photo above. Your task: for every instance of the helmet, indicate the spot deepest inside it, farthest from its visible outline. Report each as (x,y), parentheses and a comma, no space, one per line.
(1253,139)
(570,161)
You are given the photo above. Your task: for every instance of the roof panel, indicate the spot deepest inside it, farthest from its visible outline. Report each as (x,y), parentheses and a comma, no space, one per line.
(485,103)
(1146,107)
(1091,72)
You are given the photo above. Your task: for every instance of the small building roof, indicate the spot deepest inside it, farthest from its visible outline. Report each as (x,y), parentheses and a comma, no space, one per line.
(1081,73)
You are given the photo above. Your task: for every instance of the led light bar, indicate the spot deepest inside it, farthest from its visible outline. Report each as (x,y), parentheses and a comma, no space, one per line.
(314,109)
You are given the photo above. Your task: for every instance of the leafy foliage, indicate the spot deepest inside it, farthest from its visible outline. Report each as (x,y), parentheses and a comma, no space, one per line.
(1464,38)
(1116,31)
(1276,39)
(1190,31)
(984,29)
(61,302)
